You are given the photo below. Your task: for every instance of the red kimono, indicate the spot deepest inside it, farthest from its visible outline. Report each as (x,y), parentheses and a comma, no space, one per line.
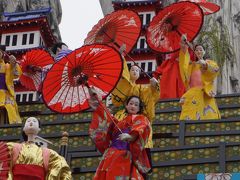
(171,85)
(120,159)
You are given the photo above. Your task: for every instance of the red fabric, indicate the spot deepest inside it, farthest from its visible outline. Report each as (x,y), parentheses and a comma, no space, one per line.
(24,172)
(166,28)
(171,85)
(118,163)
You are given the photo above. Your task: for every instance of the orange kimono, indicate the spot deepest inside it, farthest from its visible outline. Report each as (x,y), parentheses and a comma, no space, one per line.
(171,85)
(120,159)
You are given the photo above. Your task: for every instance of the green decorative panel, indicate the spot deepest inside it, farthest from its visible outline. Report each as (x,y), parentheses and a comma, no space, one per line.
(232,151)
(230,112)
(78,116)
(228,101)
(233,167)
(83,176)
(44,118)
(76,127)
(211,139)
(80,141)
(185,154)
(33,107)
(73,141)
(49,129)
(173,116)
(220,101)
(10,131)
(165,142)
(178,172)
(166,129)
(85,162)
(213,127)
(167,105)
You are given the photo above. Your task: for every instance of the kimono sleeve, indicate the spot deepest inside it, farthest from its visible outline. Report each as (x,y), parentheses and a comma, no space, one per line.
(184,59)
(58,167)
(99,129)
(141,128)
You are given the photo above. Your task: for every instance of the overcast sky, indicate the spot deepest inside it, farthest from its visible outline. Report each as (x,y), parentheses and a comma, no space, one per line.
(78,18)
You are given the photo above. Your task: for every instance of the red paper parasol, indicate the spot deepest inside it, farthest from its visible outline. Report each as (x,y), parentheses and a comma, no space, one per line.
(65,88)
(34,63)
(167,27)
(207,7)
(4,160)
(115,29)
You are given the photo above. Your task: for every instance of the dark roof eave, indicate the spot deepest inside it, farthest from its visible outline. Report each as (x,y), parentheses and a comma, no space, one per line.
(33,12)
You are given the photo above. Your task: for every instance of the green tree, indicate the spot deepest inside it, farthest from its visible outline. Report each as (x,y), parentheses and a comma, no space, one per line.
(215,37)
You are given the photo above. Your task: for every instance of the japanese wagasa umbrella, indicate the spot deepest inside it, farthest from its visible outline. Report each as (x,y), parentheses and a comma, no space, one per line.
(167,27)
(65,88)
(34,64)
(115,29)
(207,7)
(4,160)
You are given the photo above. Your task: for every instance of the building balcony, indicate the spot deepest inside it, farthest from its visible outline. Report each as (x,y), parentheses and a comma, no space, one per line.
(140,50)
(124,3)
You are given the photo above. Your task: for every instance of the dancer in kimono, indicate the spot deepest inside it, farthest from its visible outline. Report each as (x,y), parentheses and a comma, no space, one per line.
(121,142)
(30,161)
(126,87)
(9,70)
(198,76)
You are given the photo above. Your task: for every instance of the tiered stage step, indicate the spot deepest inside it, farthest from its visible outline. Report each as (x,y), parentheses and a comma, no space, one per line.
(193,147)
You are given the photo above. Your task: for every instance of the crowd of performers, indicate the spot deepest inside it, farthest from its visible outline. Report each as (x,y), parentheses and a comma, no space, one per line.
(124,139)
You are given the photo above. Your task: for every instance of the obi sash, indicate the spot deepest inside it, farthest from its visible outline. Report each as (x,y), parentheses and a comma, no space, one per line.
(119,144)
(3,81)
(28,171)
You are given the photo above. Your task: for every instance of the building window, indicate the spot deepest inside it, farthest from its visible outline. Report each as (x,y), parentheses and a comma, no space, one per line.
(142,43)
(24,39)
(143,66)
(150,66)
(14,41)
(141,17)
(30,97)
(7,40)
(31,39)
(146,65)
(18,97)
(24,98)
(148,18)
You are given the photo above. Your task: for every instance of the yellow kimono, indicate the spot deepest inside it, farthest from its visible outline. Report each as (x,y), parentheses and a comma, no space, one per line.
(7,99)
(198,102)
(148,94)
(30,154)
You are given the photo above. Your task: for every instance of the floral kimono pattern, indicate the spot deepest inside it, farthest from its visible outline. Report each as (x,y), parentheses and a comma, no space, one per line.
(148,95)
(7,99)
(121,160)
(198,102)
